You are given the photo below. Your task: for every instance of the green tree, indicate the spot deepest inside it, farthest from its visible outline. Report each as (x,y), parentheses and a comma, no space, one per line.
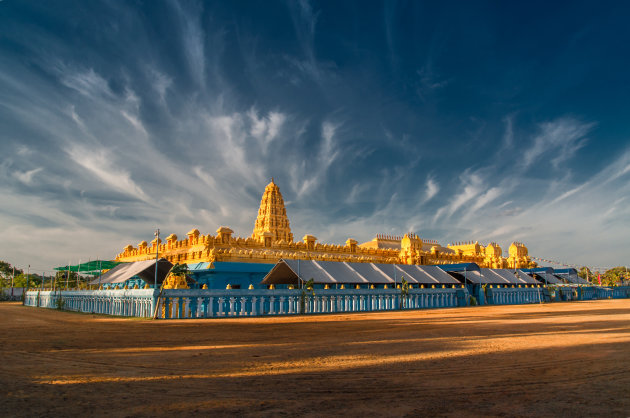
(33,280)
(307,288)
(615,276)
(179,270)
(586,274)
(61,278)
(6,273)
(6,269)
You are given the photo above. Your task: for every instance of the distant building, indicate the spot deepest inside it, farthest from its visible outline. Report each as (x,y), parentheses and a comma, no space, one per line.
(272,240)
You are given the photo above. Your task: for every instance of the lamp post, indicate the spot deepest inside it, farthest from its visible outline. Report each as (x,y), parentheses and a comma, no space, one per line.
(157,253)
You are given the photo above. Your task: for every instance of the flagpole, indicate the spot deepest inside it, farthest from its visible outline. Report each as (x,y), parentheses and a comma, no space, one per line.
(157,253)
(100,272)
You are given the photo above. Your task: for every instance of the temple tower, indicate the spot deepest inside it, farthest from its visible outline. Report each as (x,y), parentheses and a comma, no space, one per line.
(410,248)
(272,223)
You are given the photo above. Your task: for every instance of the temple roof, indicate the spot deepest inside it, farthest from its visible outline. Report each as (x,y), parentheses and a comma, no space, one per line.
(272,216)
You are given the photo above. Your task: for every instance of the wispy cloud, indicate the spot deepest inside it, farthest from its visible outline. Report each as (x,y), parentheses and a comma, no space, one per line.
(472,186)
(100,164)
(429,81)
(485,198)
(432,189)
(192,38)
(87,82)
(26,177)
(319,165)
(561,137)
(185,130)
(267,128)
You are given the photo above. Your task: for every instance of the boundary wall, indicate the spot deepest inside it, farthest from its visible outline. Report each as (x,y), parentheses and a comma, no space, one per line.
(216,304)
(515,296)
(203,303)
(206,303)
(125,302)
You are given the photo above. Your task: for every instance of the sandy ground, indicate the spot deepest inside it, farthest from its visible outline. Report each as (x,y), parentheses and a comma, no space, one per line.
(556,359)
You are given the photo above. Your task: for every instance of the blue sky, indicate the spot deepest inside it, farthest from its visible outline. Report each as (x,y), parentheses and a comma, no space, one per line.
(458,121)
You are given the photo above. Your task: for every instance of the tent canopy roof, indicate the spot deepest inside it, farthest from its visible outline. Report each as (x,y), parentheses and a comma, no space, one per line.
(335,272)
(505,276)
(459,267)
(91,267)
(143,269)
(538,270)
(529,278)
(229,266)
(570,276)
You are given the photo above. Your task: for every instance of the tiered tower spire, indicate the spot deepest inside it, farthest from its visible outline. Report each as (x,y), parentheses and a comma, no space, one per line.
(272,223)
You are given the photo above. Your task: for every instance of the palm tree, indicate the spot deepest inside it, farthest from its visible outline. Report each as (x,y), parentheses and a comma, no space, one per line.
(308,287)
(404,292)
(176,270)
(179,270)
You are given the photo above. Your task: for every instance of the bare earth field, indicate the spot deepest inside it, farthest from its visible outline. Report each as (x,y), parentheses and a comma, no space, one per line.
(556,359)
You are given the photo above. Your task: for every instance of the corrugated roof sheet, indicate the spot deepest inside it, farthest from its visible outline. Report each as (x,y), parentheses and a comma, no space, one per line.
(334,272)
(143,269)
(500,276)
(526,277)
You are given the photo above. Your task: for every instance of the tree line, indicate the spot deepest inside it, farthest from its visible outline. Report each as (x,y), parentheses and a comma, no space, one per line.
(611,277)
(60,280)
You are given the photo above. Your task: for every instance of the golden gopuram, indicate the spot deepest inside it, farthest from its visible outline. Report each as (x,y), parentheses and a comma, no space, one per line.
(272,240)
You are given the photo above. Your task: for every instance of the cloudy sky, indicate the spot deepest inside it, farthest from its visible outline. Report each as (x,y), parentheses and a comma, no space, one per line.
(455,120)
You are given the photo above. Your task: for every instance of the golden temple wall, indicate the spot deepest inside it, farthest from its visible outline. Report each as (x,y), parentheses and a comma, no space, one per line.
(272,240)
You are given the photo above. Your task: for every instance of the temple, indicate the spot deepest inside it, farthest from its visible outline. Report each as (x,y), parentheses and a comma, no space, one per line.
(272,240)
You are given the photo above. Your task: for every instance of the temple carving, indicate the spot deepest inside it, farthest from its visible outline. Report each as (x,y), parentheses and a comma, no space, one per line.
(272,223)
(272,240)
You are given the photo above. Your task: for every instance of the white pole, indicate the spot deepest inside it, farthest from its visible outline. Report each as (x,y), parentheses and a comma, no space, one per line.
(394,275)
(100,272)
(157,252)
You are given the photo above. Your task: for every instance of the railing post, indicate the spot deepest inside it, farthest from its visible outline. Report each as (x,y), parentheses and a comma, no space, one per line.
(254,299)
(272,301)
(220,302)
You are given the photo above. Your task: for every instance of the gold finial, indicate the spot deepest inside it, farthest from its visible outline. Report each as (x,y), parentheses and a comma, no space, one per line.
(272,179)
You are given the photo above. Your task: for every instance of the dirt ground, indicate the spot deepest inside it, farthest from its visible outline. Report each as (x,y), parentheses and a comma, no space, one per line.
(555,359)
